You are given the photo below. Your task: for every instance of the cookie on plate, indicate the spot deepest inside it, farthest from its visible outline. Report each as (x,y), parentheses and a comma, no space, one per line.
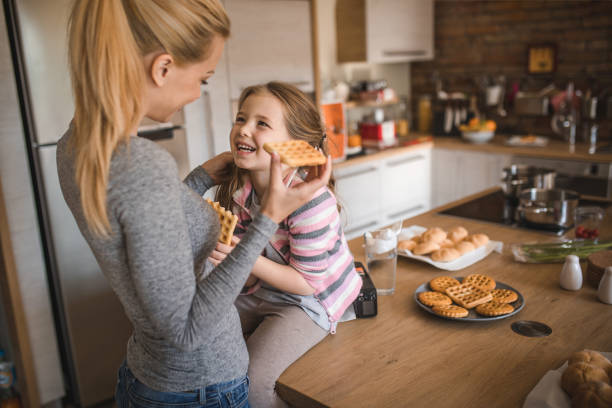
(504,295)
(478,240)
(440,283)
(434,299)
(450,311)
(482,281)
(456,234)
(494,308)
(464,247)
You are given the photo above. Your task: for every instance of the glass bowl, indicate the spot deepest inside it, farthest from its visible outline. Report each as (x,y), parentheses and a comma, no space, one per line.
(587,221)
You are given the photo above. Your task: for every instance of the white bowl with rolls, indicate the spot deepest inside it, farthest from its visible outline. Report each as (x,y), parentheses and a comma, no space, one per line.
(451,249)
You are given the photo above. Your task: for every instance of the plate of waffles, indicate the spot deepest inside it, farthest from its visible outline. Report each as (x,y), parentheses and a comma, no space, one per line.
(474,298)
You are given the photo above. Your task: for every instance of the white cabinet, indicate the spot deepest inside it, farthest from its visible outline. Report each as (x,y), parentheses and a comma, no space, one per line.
(270,40)
(381,191)
(384,31)
(358,190)
(406,180)
(459,173)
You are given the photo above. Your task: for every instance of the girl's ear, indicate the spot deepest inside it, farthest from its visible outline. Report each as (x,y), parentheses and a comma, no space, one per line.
(160,69)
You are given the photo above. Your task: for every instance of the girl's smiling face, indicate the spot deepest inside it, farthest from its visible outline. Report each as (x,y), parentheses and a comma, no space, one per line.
(259,120)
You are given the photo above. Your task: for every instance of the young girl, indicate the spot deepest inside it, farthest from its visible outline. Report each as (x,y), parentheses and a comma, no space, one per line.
(306,281)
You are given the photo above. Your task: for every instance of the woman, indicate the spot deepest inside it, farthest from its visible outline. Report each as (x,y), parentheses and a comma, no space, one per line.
(151,233)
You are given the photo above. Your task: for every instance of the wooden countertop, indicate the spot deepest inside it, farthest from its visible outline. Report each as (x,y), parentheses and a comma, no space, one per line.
(555,149)
(407,357)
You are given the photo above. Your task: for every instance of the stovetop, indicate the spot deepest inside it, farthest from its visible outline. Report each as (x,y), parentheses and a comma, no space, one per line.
(499,209)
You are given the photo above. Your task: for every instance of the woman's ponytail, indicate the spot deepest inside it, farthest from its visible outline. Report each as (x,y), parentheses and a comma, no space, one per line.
(107,42)
(108,84)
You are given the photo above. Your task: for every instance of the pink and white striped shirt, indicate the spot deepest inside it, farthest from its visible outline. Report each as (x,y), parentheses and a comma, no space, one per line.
(311,240)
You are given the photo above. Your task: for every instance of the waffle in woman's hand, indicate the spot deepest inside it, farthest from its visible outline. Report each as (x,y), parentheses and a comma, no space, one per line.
(296,153)
(228,222)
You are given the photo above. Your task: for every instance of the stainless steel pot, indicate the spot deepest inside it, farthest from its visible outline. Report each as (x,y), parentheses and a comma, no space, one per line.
(519,177)
(544,207)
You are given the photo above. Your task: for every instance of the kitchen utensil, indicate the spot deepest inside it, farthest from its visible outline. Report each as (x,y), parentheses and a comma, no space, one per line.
(518,177)
(473,316)
(530,104)
(548,207)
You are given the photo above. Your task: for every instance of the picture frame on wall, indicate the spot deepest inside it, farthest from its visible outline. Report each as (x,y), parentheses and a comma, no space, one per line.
(541,58)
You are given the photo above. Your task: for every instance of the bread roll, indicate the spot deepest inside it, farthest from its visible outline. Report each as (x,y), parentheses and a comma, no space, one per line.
(579,373)
(408,244)
(456,234)
(478,240)
(464,247)
(434,234)
(447,243)
(445,255)
(593,358)
(425,248)
(594,394)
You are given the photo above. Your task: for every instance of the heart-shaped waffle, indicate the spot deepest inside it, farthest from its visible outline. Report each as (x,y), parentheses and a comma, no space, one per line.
(228,222)
(494,308)
(440,283)
(468,295)
(296,153)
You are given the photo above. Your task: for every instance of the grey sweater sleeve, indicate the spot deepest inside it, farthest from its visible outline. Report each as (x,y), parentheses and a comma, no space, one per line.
(161,260)
(199,181)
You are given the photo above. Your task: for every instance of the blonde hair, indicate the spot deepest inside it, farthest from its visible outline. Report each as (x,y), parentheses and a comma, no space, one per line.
(302,120)
(107,41)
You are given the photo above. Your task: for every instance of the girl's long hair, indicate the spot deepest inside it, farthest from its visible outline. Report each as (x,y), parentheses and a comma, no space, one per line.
(302,120)
(107,41)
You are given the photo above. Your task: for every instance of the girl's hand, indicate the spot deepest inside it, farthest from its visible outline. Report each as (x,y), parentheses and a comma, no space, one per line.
(221,251)
(279,200)
(219,167)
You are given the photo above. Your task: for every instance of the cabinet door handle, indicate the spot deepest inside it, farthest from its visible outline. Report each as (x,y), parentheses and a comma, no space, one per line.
(356,173)
(404,53)
(369,224)
(410,210)
(405,160)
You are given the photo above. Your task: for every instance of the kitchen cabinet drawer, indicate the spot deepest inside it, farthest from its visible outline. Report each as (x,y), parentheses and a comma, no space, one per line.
(276,45)
(384,31)
(406,180)
(358,191)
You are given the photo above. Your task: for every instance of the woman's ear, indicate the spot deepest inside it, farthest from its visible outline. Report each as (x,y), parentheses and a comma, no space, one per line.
(160,69)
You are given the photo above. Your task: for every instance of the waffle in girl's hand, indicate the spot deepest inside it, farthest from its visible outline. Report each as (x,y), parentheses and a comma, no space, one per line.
(296,153)
(228,222)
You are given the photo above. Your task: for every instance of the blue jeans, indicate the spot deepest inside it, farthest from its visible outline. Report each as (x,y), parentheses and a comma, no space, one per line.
(131,393)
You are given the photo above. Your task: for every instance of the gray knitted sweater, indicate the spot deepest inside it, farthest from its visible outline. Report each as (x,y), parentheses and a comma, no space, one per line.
(186,331)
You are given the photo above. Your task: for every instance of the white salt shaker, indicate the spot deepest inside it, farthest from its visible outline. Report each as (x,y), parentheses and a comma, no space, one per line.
(571,273)
(604,292)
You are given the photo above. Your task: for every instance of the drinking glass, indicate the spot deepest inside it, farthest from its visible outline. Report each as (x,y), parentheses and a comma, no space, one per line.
(381,259)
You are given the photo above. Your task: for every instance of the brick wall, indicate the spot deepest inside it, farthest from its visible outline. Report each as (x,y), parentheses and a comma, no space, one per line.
(477,38)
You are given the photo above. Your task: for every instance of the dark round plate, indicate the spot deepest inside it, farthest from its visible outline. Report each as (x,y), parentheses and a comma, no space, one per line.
(473,316)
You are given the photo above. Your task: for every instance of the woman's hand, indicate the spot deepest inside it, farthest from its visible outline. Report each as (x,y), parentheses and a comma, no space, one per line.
(221,251)
(279,200)
(219,167)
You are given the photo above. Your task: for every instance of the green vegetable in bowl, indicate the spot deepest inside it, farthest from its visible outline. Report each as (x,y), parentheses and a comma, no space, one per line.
(557,251)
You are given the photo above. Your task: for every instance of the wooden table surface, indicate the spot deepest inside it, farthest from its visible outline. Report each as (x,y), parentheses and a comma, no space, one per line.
(406,357)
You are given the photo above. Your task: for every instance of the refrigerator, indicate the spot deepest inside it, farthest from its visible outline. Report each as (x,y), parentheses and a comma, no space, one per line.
(90,322)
